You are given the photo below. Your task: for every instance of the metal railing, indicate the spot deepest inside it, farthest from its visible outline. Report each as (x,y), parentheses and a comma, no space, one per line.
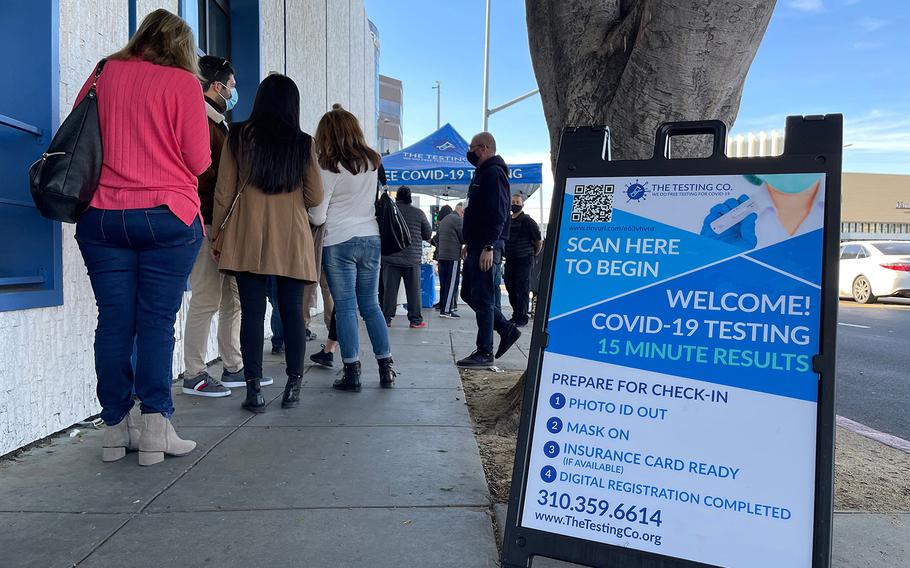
(19,125)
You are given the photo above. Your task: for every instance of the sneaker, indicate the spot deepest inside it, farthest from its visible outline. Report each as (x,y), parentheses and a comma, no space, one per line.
(310,336)
(449,315)
(204,384)
(507,340)
(323,359)
(388,324)
(236,379)
(476,360)
(418,325)
(277,349)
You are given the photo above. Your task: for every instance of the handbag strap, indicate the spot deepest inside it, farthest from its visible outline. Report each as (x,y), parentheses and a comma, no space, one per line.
(233,206)
(98,69)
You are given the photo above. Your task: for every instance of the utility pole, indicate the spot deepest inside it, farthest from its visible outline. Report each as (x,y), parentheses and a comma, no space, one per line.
(438,88)
(486,69)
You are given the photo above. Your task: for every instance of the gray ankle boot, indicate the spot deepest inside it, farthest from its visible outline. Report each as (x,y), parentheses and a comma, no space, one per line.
(118,439)
(159,438)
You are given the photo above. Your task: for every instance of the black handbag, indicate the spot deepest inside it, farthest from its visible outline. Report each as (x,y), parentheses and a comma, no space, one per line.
(63,181)
(394,234)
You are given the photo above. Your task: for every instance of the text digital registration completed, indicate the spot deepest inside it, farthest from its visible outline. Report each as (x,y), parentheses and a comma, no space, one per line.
(677,405)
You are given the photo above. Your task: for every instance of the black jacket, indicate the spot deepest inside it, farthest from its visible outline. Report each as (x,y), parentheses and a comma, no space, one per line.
(420,231)
(523,233)
(487,215)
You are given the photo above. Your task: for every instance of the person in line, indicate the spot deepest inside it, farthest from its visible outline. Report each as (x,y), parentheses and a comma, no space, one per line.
(268,178)
(325,357)
(141,234)
(451,239)
(213,292)
(275,320)
(310,299)
(406,264)
(351,250)
(486,229)
(522,247)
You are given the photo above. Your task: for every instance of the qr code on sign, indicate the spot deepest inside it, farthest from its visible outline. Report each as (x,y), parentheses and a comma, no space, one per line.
(593,203)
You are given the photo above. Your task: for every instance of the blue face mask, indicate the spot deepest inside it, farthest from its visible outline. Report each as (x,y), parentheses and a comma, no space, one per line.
(790,183)
(231,102)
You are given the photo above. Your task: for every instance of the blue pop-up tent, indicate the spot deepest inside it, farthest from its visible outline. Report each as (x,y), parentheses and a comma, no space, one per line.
(437,166)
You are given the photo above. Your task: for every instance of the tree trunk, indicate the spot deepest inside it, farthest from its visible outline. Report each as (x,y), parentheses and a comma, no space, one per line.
(633,64)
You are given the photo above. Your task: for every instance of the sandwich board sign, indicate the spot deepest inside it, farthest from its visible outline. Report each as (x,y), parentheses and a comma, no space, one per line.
(679,404)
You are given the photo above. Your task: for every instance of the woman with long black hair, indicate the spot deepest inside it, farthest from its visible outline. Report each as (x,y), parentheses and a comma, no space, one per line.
(268,178)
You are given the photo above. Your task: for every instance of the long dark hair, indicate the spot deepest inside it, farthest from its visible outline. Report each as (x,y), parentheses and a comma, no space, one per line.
(339,140)
(271,144)
(444,212)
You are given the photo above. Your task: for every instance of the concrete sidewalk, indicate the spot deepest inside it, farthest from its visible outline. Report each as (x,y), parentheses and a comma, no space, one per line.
(383,478)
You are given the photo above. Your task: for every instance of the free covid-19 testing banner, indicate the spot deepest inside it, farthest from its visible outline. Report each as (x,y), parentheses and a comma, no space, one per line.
(677,404)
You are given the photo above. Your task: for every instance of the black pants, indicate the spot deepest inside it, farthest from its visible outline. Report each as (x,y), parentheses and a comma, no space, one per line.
(479,290)
(518,283)
(391,278)
(449,279)
(289,295)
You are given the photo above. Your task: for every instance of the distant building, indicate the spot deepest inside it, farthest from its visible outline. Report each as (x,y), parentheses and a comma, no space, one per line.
(391,103)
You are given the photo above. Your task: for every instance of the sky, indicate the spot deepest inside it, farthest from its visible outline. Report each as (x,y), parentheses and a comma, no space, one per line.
(817,57)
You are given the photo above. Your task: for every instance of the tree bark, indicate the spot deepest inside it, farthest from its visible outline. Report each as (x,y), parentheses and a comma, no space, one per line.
(633,64)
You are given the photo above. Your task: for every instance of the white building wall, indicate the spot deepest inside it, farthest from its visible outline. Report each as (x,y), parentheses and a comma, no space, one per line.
(47,375)
(146,7)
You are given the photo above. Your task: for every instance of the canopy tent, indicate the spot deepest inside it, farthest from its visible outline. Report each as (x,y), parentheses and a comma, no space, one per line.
(437,166)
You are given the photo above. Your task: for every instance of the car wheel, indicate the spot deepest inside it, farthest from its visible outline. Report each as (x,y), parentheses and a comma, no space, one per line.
(862,291)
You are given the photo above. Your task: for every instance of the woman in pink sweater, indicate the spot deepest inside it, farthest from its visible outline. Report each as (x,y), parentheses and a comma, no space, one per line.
(142,231)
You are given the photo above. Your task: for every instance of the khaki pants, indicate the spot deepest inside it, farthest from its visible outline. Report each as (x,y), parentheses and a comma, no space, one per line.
(212,292)
(309,294)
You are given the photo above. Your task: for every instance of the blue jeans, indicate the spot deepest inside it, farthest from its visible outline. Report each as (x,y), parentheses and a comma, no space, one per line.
(277,328)
(138,261)
(481,291)
(352,269)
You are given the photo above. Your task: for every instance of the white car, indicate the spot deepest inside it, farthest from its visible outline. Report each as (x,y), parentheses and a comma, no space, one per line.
(874,269)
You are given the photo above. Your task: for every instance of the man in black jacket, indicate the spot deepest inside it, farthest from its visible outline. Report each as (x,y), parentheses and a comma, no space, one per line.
(523,245)
(406,264)
(486,229)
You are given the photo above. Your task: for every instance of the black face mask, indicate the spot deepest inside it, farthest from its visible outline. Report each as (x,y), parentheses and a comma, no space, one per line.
(473,158)
(516,208)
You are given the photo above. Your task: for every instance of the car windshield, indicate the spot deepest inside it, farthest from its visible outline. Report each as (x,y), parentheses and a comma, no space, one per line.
(893,248)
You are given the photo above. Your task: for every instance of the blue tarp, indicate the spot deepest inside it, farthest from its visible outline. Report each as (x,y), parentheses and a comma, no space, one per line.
(437,166)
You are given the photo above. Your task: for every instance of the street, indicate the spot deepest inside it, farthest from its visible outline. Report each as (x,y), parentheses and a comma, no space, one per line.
(873,386)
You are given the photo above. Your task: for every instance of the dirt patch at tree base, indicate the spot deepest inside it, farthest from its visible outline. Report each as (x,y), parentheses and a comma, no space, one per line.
(869,476)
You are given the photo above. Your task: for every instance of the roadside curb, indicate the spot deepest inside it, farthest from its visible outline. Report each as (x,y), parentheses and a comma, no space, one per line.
(867,432)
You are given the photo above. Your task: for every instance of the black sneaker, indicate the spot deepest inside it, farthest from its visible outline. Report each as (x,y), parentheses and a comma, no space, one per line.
(323,359)
(476,360)
(449,315)
(277,349)
(507,340)
(310,336)
(236,379)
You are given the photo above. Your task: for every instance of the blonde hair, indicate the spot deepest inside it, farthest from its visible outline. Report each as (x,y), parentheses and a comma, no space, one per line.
(339,140)
(165,39)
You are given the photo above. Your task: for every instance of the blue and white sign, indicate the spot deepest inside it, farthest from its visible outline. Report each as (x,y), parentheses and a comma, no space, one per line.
(677,404)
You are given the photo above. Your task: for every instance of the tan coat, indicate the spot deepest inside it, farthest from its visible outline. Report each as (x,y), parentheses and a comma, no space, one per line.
(266,234)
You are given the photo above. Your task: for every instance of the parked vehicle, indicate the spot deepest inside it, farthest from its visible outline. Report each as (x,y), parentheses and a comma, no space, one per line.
(874,269)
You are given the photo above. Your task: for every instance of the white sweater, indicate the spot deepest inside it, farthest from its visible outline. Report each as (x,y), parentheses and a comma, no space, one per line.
(347,206)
